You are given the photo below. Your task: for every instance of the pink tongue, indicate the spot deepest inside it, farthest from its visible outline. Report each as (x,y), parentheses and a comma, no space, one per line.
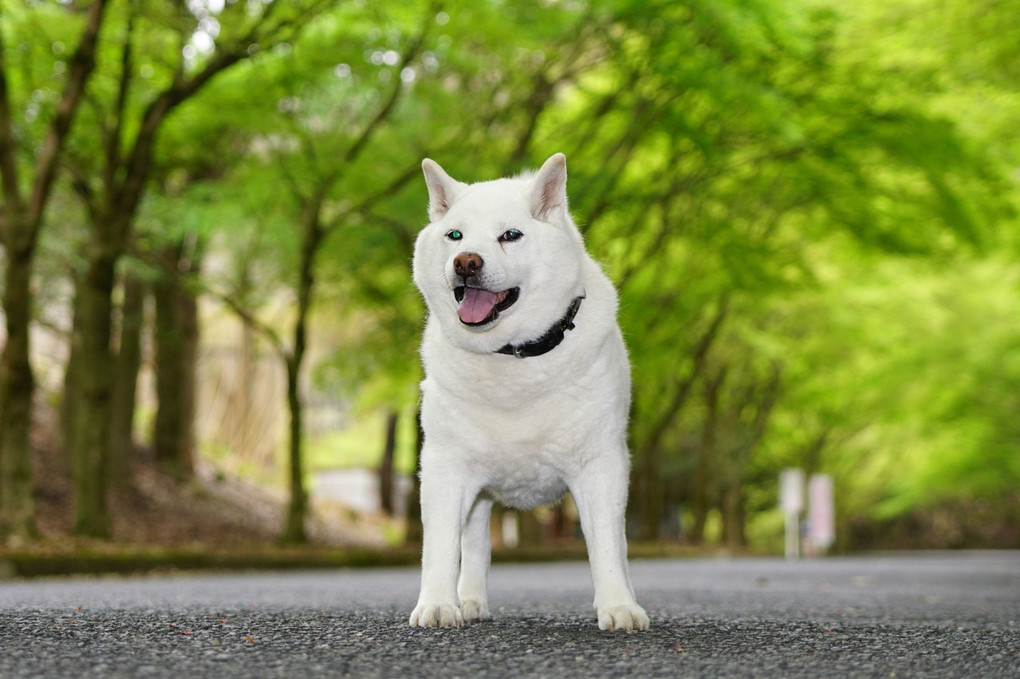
(476,305)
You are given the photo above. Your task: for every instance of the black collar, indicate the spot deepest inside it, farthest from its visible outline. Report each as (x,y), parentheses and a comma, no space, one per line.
(550,340)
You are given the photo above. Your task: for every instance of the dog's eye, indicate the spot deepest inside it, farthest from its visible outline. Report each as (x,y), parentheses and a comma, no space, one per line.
(454,235)
(510,236)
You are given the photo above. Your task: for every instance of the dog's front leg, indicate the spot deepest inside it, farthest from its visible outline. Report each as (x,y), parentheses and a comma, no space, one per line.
(476,551)
(444,508)
(601,498)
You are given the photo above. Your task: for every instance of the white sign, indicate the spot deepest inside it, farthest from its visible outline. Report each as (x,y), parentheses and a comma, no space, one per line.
(821,516)
(791,490)
(791,500)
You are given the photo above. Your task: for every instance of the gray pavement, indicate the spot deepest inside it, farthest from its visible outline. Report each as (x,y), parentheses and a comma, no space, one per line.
(935,615)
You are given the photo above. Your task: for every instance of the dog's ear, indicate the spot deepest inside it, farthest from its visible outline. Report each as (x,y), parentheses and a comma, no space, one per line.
(442,189)
(549,192)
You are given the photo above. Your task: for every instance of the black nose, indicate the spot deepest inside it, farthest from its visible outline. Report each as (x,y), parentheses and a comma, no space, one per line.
(467,264)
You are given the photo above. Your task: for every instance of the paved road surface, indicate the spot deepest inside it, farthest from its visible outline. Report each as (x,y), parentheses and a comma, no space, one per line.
(906,616)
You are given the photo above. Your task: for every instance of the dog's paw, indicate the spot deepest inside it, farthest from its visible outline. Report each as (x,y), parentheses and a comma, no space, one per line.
(626,618)
(436,615)
(473,610)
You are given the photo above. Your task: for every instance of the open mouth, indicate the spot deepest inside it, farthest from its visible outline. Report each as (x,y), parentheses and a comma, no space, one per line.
(478,306)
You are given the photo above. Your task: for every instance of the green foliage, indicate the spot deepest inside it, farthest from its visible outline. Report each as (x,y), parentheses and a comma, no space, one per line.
(809,209)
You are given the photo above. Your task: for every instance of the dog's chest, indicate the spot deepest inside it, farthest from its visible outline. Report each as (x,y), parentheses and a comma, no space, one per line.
(523,481)
(521,456)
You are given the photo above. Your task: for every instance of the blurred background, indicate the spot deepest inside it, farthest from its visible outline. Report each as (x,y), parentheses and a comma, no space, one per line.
(209,209)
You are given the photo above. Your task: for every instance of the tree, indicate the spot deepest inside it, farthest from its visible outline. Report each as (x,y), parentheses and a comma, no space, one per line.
(176,338)
(125,381)
(21,220)
(753,176)
(344,168)
(111,184)
(723,140)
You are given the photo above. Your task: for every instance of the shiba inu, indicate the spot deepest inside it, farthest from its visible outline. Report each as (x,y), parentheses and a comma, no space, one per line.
(526,389)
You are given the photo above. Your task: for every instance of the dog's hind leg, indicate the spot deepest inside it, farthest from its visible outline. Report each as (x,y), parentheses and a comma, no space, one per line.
(475,554)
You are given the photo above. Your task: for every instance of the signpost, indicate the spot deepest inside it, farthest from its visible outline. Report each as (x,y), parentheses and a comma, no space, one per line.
(791,501)
(821,513)
(821,520)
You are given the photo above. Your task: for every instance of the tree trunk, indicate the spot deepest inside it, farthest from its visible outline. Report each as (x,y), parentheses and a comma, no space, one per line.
(734,509)
(125,376)
(646,476)
(176,354)
(68,397)
(297,508)
(93,384)
(733,516)
(700,492)
(386,467)
(530,530)
(413,535)
(651,495)
(294,531)
(17,385)
(22,221)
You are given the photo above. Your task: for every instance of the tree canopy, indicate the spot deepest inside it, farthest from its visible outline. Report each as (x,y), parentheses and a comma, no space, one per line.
(809,209)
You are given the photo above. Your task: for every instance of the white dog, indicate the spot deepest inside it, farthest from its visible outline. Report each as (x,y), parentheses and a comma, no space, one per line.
(526,388)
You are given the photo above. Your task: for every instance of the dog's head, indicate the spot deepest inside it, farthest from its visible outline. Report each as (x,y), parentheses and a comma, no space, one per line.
(501,260)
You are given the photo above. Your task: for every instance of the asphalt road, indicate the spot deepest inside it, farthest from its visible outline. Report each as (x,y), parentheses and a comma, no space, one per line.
(944,615)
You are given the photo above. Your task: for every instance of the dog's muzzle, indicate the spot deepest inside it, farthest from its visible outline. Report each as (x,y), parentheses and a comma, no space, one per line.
(478,306)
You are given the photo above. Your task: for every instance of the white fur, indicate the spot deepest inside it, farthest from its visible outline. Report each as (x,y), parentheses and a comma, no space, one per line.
(521,431)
